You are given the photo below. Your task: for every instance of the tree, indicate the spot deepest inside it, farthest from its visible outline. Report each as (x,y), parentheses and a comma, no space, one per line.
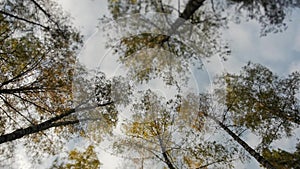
(156,128)
(142,50)
(36,73)
(155,47)
(38,45)
(206,110)
(271,15)
(160,131)
(94,116)
(159,46)
(259,101)
(283,159)
(38,68)
(263,102)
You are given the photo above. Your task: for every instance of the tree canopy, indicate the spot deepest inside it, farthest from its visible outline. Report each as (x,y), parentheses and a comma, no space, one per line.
(48,99)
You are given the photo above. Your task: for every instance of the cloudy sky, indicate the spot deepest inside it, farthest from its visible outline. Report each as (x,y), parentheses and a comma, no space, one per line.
(280,52)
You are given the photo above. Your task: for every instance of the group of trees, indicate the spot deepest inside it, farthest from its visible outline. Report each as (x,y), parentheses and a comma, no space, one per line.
(253,101)
(47,98)
(38,56)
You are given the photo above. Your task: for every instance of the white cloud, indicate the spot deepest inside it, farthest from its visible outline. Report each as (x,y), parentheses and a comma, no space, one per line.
(242,36)
(85,13)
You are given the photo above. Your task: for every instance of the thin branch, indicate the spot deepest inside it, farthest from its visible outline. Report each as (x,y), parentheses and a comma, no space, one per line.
(21,74)
(36,105)
(38,5)
(142,138)
(13,108)
(213,6)
(46,13)
(214,162)
(25,20)
(163,11)
(7,114)
(178,8)
(26,107)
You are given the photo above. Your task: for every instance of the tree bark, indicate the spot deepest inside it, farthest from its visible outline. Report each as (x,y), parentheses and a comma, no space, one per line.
(250,150)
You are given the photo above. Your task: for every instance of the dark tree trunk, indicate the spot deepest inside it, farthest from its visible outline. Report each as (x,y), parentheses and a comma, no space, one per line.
(19,133)
(52,122)
(189,10)
(165,155)
(250,150)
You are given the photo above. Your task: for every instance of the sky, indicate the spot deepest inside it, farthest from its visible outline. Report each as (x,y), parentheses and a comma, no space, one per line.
(280,52)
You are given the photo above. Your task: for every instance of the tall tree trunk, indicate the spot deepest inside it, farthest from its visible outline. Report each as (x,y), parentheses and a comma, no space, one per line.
(165,155)
(52,122)
(190,8)
(250,150)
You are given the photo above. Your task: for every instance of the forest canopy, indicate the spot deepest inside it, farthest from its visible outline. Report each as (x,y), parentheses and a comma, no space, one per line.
(153,108)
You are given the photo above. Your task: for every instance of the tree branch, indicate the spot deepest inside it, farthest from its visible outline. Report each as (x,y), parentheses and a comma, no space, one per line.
(25,20)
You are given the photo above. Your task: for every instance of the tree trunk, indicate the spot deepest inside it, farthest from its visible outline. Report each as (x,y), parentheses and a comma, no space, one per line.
(52,122)
(250,150)
(190,8)
(165,155)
